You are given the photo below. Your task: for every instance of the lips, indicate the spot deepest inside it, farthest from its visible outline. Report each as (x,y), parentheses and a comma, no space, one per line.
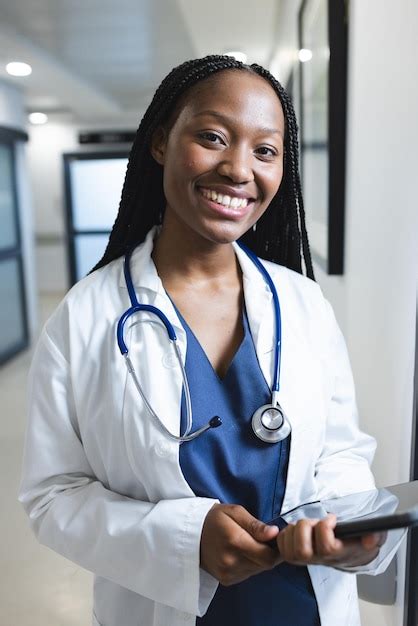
(226,205)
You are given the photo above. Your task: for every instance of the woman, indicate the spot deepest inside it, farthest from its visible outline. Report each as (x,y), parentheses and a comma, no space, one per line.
(106,481)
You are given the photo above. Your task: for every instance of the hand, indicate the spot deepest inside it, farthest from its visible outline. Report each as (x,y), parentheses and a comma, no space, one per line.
(233,544)
(313,541)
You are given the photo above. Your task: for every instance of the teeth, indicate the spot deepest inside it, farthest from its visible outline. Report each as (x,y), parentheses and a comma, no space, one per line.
(233,202)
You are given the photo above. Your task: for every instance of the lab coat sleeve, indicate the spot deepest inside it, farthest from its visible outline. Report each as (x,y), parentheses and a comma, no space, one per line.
(151,549)
(343,465)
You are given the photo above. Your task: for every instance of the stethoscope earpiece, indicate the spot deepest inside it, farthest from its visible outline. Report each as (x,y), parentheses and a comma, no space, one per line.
(270,424)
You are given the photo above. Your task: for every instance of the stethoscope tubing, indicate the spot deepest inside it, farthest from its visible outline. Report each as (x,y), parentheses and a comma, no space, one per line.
(277,315)
(136,307)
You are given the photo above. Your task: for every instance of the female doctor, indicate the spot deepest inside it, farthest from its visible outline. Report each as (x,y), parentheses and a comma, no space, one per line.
(184,393)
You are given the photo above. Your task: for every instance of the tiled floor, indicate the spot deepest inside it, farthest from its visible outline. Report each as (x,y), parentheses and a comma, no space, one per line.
(37,587)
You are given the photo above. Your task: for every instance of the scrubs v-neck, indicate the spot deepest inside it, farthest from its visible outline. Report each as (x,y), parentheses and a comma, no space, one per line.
(231,464)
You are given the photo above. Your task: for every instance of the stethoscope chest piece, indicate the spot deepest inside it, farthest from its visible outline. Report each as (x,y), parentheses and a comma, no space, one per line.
(270,423)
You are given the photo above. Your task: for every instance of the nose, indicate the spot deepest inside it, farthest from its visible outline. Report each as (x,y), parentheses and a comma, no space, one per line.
(236,164)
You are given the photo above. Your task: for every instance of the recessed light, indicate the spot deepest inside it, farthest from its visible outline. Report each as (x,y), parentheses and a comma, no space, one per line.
(16,68)
(239,56)
(305,55)
(38,118)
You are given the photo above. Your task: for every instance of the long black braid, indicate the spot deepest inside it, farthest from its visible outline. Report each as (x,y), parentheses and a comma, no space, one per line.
(280,235)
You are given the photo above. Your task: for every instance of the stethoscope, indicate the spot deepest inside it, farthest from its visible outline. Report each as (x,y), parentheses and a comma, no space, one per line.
(269,422)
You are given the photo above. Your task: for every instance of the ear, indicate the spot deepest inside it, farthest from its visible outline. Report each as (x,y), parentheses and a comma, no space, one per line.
(158,144)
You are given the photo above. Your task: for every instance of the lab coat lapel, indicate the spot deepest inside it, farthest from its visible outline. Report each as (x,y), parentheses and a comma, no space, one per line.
(260,313)
(261,318)
(157,368)
(148,286)
(294,361)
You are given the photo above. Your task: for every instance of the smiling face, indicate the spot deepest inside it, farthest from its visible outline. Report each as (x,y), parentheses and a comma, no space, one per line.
(223,156)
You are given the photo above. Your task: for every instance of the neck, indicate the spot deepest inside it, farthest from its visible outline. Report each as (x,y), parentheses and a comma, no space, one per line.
(180,252)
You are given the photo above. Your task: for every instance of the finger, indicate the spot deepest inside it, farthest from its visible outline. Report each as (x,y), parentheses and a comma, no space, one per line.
(303,540)
(257,529)
(259,554)
(245,546)
(264,556)
(354,552)
(371,541)
(326,544)
(287,543)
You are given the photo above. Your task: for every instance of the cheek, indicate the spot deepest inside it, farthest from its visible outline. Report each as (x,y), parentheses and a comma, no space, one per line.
(187,163)
(180,170)
(273,181)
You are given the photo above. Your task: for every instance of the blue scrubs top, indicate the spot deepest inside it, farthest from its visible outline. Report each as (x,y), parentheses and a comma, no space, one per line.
(231,464)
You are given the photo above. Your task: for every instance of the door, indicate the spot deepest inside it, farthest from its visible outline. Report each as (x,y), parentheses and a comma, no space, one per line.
(13,316)
(93,183)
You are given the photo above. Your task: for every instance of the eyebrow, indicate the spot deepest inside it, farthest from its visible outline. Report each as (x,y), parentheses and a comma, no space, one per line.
(224,118)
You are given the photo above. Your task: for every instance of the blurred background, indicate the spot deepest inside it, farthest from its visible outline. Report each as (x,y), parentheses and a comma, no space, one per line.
(66,124)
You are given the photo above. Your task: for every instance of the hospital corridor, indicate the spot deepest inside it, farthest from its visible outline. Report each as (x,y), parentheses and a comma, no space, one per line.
(194,414)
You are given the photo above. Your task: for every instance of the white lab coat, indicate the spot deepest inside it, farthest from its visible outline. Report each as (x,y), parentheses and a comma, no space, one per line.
(103,486)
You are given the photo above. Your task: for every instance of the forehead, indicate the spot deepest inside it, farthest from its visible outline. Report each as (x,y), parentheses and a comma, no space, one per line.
(240,95)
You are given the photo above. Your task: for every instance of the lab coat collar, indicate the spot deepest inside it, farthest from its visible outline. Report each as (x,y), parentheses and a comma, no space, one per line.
(143,271)
(258,303)
(145,276)
(148,285)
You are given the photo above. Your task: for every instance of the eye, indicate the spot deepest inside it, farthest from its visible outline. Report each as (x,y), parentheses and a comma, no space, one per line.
(267,151)
(211,137)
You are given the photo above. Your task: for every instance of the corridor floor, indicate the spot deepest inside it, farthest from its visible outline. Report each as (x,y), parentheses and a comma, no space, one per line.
(38,587)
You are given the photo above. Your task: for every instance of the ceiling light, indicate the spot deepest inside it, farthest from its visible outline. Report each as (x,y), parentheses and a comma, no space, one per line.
(16,68)
(38,118)
(239,56)
(305,55)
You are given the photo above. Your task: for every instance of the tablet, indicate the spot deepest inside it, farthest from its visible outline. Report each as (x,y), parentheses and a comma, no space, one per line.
(361,513)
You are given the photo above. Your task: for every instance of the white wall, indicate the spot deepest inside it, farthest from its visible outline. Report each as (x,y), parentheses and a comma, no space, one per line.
(12,115)
(47,144)
(382,233)
(375,298)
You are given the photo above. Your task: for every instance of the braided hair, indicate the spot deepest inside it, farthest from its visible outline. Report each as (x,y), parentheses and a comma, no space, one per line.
(280,235)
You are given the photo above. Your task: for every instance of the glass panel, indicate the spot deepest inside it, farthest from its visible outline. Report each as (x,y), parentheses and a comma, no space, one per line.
(89,250)
(96,186)
(315,187)
(11,318)
(315,156)
(7,203)
(315,73)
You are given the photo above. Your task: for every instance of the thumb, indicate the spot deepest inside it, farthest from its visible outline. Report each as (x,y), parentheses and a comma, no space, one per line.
(253,526)
(262,532)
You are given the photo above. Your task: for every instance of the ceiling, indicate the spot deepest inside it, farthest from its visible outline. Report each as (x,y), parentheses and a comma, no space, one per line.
(101,60)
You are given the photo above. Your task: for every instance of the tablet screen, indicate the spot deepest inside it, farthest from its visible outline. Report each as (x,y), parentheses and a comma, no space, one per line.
(397,504)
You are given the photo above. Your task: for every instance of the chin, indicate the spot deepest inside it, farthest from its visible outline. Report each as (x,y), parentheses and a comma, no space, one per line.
(223,233)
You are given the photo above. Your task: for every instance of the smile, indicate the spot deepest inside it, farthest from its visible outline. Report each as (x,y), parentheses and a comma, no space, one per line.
(227,201)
